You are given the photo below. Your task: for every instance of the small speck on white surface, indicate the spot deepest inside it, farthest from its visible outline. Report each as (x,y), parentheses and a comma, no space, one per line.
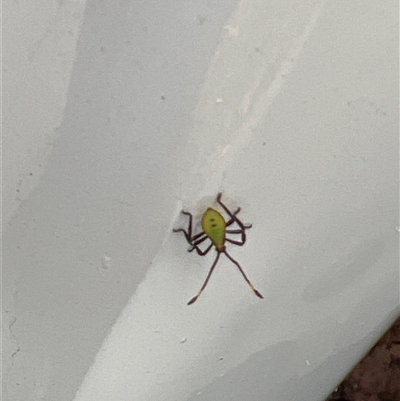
(232,30)
(105,261)
(307,362)
(219,100)
(183,340)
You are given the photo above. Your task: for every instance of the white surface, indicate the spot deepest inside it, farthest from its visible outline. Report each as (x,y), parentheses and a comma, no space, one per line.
(296,120)
(39,46)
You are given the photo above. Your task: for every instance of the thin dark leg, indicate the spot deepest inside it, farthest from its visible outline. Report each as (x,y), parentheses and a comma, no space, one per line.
(189,233)
(197,242)
(177,230)
(199,251)
(244,275)
(197,236)
(208,278)
(236,242)
(188,238)
(234,218)
(245,226)
(231,215)
(240,243)
(190,223)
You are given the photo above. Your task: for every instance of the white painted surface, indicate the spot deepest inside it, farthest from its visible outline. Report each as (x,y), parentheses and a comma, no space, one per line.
(39,45)
(290,108)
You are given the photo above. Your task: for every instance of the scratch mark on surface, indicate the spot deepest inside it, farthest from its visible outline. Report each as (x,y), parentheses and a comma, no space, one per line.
(262,102)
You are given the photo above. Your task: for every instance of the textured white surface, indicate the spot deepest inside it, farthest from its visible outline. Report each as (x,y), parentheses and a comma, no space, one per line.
(291,109)
(38,49)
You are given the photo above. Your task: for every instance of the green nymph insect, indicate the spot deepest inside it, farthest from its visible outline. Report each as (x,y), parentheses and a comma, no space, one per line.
(215,229)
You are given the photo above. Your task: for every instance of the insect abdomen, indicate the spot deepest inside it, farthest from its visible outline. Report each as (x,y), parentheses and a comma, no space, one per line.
(214,226)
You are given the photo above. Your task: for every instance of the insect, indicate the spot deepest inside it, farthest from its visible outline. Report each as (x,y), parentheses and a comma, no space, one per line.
(215,229)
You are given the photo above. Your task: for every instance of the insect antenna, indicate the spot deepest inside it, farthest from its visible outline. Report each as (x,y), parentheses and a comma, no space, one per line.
(244,274)
(207,278)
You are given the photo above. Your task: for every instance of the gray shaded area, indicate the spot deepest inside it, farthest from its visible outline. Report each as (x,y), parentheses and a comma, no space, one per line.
(260,376)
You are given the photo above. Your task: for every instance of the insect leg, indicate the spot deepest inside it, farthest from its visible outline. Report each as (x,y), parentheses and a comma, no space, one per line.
(205,282)
(232,220)
(240,243)
(189,233)
(197,236)
(231,215)
(199,251)
(241,231)
(198,241)
(236,242)
(244,275)
(177,230)
(243,235)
